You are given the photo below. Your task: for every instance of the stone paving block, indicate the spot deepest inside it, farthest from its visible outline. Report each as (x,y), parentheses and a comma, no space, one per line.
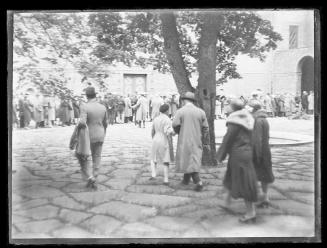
(67,202)
(174,224)
(81,187)
(275,195)
(74,232)
(294,208)
(97,197)
(39,227)
(39,213)
(15,198)
(73,216)
(194,194)
(124,173)
(303,197)
(153,189)
(119,184)
(30,236)
(102,225)
(24,174)
(124,211)
(130,166)
(204,213)
(153,200)
(38,191)
(140,230)
(18,219)
(30,204)
(18,184)
(195,231)
(175,211)
(210,202)
(294,186)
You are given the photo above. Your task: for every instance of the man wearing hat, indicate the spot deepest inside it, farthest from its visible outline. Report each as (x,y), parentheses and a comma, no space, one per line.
(141,109)
(94,115)
(191,124)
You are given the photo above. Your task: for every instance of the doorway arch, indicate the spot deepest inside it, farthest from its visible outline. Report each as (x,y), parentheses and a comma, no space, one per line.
(305,70)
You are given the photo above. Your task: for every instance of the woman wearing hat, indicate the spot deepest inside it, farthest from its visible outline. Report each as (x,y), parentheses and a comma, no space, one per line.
(240,178)
(161,151)
(261,151)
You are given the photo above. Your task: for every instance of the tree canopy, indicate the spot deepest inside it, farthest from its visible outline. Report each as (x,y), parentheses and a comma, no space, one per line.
(46,44)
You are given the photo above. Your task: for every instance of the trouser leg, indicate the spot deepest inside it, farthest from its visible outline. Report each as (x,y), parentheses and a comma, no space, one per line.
(22,122)
(84,167)
(186,179)
(96,150)
(196,178)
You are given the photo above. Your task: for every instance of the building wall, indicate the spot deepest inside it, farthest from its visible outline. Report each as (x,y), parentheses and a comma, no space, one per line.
(279,73)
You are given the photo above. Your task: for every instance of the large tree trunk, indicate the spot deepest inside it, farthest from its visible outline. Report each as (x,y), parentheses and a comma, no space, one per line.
(173,52)
(206,91)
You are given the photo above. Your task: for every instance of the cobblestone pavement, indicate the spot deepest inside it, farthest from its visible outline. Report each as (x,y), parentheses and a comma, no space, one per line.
(49,198)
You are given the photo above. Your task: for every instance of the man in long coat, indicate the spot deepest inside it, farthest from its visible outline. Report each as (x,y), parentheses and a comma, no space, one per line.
(128,109)
(93,114)
(191,124)
(141,110)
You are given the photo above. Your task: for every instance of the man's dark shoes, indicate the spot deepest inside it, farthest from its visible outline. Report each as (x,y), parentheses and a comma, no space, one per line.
(198,187)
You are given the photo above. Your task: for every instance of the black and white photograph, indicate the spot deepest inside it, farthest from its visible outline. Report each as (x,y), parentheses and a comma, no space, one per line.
(164,125)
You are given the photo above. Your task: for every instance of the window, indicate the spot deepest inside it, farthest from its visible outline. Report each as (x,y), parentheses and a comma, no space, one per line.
(293,39)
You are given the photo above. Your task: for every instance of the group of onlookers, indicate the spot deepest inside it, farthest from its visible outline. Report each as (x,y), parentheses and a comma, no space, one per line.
(44,111)
(136,108)
(276,105)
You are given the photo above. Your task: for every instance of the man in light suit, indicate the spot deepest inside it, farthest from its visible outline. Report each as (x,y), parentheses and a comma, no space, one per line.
(94,115)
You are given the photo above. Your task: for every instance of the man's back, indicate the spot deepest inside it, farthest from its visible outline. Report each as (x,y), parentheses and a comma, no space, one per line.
(94,115)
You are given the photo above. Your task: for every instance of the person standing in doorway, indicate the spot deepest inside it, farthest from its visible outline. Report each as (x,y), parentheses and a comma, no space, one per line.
(191,124)
(94,116)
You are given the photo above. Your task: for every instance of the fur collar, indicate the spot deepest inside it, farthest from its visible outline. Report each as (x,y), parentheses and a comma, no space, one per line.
(242,118)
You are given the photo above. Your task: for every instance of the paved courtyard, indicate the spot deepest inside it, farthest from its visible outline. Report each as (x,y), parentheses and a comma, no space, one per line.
(49,198)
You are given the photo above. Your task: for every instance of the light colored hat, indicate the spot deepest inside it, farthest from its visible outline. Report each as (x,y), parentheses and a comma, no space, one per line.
(189,96)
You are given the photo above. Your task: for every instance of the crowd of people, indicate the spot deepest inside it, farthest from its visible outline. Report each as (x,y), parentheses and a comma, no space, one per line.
(45,112)
(276,105)
(246,143)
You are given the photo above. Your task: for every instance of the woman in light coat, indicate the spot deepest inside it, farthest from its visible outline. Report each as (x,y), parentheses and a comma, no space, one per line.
(162,150)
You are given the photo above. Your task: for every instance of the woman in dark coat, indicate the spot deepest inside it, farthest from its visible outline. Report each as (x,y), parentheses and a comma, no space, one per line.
(261,151)
(240,178)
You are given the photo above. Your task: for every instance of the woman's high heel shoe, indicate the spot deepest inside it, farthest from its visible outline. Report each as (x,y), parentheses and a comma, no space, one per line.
(246,220)
(264,204)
